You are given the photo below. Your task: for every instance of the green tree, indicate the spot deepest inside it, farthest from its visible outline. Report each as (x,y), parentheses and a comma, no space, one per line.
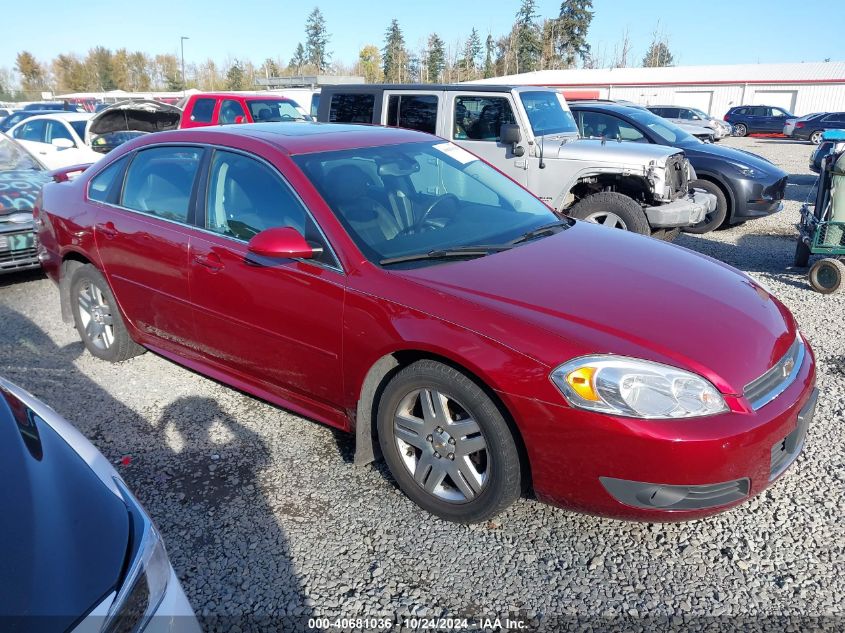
(120,69)
(98,65)
(236,77)
(33,75)
(571,31)
(489,64)
(394,56)
(140,72)
(529,48)
(298,60)
(69,74)
(658,54)
(270,69)
(435,58)
(472,51)
(369,63)
(317,41)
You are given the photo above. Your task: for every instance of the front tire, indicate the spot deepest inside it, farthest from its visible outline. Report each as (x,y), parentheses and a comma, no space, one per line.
(740,129)
(97,317)
(611,209)
(447,444)
(826,275)
(714,219)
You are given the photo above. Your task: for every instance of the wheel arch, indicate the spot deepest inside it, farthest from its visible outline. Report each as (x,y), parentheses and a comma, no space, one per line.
(376,379)
(71,260)
(717,180)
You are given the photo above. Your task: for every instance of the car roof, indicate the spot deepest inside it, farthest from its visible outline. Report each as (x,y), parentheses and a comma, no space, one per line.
(236,95)
(434,87)
(64,116)
(304,137)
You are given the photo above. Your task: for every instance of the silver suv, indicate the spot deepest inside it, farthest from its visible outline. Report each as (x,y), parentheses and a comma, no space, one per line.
(530,135)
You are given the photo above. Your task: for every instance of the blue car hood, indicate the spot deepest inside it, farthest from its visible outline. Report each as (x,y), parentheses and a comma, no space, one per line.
(19,188)
(63,533)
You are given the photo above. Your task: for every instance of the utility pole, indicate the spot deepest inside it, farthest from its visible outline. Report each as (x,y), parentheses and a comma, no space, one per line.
(182,45)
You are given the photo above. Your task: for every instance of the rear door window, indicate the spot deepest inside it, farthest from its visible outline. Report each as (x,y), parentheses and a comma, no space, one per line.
(105,186)
(203,110)
(481,118)
(414,112)
(160,182)
(352,108)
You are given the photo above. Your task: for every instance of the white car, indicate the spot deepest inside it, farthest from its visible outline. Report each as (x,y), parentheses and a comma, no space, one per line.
(57,140)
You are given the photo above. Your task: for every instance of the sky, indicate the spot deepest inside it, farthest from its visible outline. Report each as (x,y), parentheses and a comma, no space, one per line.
(703,32)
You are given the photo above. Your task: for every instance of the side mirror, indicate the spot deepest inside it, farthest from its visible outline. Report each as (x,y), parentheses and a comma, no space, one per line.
(62,143)
(509,133)
(281,242)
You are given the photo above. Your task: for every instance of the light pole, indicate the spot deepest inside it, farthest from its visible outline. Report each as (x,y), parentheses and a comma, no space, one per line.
(182,44)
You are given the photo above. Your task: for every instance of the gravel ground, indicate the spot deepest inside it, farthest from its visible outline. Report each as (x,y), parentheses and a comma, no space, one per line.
(265,516)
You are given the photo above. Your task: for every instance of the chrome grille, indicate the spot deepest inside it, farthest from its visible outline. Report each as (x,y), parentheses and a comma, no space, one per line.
(774,382)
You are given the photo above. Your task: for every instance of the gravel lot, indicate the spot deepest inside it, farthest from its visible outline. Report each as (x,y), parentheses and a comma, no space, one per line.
(265,516)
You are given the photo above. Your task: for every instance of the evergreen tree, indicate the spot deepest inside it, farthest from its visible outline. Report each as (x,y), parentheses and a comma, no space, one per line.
(235,77)
(298,60)
(472,51)
(658,54)
(489,64)
(435,58)
(394,55)
(571,31)
(529,48)
(317,41)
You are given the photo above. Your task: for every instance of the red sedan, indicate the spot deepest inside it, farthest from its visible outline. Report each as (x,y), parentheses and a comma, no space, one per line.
(392,285)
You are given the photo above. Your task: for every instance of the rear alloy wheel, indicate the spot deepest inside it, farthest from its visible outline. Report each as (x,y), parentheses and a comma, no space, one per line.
(713,219)
(826,275)
(447,444)
(816,137)
(98,319)
(740,129)
(611,209)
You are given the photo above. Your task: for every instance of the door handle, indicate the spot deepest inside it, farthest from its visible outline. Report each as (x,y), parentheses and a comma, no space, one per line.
(108,230)
(210,261)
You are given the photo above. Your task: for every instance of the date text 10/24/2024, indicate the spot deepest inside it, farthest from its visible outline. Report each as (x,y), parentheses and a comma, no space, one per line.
(419,623)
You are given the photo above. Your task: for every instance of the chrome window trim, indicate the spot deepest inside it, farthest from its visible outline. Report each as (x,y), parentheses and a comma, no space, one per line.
(796,351)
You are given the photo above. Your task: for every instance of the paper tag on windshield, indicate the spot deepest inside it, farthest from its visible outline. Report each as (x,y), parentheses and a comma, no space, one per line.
(458,153)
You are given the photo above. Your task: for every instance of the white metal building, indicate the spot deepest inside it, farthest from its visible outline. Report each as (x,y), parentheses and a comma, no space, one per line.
(799,88)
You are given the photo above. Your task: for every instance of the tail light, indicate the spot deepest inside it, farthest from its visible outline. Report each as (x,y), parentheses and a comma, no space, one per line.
(799,125)
(725,117)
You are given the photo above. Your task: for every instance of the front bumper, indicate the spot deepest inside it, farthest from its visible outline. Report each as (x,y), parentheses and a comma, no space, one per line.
(684,211)
(757,198)
(702,465)
(12,260)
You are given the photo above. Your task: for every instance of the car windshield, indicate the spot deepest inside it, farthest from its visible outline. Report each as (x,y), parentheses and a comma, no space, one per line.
(15,157)
(411,199)
(548,113)
(274,110)
(700,113)
(666,131)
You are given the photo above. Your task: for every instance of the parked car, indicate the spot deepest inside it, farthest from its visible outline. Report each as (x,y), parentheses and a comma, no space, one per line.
(754,119)
(746,186)
(308,98)
(54,106)
(683,115)
(16,117)
(21,178)
(4,112)
(823,149)
(789,125)
(203,109)
(813,128)
(123,121)
(391,284)
(79,552)
(529,133)
(58,139)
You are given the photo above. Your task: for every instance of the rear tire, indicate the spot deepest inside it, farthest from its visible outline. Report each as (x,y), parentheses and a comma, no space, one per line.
(610,208)
(447,444)
(715,218)
(816,137)
(740,129)
(826,275)
(98,319)
(802,254)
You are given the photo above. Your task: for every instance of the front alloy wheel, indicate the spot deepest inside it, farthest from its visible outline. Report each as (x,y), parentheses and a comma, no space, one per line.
(447,443)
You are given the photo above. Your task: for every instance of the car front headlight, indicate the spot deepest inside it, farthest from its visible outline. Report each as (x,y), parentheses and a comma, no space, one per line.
(145,583)
(635,388)
(748,172)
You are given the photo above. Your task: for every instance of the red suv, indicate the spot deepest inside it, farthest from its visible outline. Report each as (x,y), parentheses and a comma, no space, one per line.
(391,284)
(225,108)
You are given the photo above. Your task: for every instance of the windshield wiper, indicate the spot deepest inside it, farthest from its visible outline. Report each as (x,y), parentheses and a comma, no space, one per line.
(446,253)
(540,230)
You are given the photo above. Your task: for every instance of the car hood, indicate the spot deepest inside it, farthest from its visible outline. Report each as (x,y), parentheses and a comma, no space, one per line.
(138,116)
(590,289)
(734,155)
(19,189)
(64,535)
(610,151)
